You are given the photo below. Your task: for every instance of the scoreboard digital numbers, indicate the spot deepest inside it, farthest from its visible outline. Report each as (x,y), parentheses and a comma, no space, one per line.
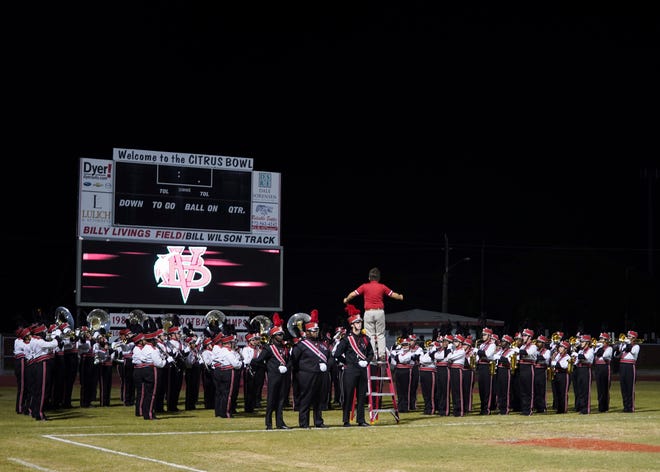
(173,196)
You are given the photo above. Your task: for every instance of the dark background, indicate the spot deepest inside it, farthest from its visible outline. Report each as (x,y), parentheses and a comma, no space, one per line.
(526,135)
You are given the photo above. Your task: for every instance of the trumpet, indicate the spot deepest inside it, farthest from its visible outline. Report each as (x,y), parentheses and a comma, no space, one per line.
(556,337)
(624,339)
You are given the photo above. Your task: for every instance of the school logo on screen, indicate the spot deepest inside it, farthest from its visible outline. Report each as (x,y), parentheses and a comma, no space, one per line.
(183,271)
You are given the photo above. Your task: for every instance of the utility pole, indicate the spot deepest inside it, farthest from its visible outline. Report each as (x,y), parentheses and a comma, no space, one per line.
(445,275)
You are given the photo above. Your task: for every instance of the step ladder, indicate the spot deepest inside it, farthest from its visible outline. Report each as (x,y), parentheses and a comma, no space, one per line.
(380,391)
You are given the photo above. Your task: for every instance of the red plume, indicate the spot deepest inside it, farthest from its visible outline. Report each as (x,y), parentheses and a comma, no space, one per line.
(351,310)
(277,321)
(314,316)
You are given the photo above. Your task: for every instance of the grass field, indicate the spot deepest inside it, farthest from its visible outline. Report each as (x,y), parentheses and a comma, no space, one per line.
(112,438)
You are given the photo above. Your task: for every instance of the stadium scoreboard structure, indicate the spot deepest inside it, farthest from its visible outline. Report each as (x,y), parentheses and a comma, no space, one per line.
(172,230)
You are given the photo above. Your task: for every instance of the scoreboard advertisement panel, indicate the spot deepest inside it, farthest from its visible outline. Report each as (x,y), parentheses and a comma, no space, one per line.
(193,276)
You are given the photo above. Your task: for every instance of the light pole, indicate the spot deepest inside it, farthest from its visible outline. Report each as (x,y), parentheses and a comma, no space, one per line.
(445,275)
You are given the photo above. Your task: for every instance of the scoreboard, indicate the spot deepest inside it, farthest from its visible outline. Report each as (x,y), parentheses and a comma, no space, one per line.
(171,196)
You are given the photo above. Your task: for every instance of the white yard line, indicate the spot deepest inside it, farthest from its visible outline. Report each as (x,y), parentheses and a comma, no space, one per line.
(120,453)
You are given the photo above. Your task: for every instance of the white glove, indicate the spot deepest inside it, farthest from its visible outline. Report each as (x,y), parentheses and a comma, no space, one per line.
(363,363)
(323,366)
(282,369)
(170,359)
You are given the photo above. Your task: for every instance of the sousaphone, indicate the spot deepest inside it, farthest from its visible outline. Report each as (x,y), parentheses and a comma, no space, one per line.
(296,324)
(63,315)
(98,319)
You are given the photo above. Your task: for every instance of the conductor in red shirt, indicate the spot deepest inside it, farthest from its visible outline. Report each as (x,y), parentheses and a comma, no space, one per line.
(374,294)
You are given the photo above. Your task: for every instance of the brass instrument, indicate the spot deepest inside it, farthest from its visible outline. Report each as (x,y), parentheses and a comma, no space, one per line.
(215,317)
(514,361)
(98,319)
(550,373)
(492,368)
(428,343)
(556,337)
(168,321)
(295,324)
(571,363)
(63,315)
(624,339)
(137,317)
(593,342)
(263,323)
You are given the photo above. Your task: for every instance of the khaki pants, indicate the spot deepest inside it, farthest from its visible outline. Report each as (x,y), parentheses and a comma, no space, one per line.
(374,325)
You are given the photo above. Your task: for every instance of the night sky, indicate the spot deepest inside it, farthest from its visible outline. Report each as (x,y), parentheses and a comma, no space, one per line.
(528,137)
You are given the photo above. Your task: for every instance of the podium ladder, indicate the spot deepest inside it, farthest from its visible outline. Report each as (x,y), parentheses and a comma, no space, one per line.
(380,391)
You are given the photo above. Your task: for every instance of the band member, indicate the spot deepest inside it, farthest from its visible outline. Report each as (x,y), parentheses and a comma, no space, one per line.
(416,351)
(71,363)
(354,351)
(628,352)
(514,395)
(541,366)
(602,371)
(468,373)
(207,372)
(39,353)
(401,359)
(310,359)
(503,377)
(21,344)
(88,372)
(193,370)
(561,363)
(498,350)
(176,369)
(427,377)
(443,390)
(485,374)
(276,358)
(253,375)
(226,362)
(123,354)
(456,363)
(584,358)
(103,365)
(148,363)
(238,375)
(337,371)
(527,353)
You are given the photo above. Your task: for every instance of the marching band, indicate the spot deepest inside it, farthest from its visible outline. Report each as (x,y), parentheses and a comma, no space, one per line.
(154,359)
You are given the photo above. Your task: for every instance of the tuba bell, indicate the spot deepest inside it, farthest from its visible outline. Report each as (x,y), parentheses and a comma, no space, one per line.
(63,315)
(215,317)
(296,323)
(98,319)
(137,317)
(261,324)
